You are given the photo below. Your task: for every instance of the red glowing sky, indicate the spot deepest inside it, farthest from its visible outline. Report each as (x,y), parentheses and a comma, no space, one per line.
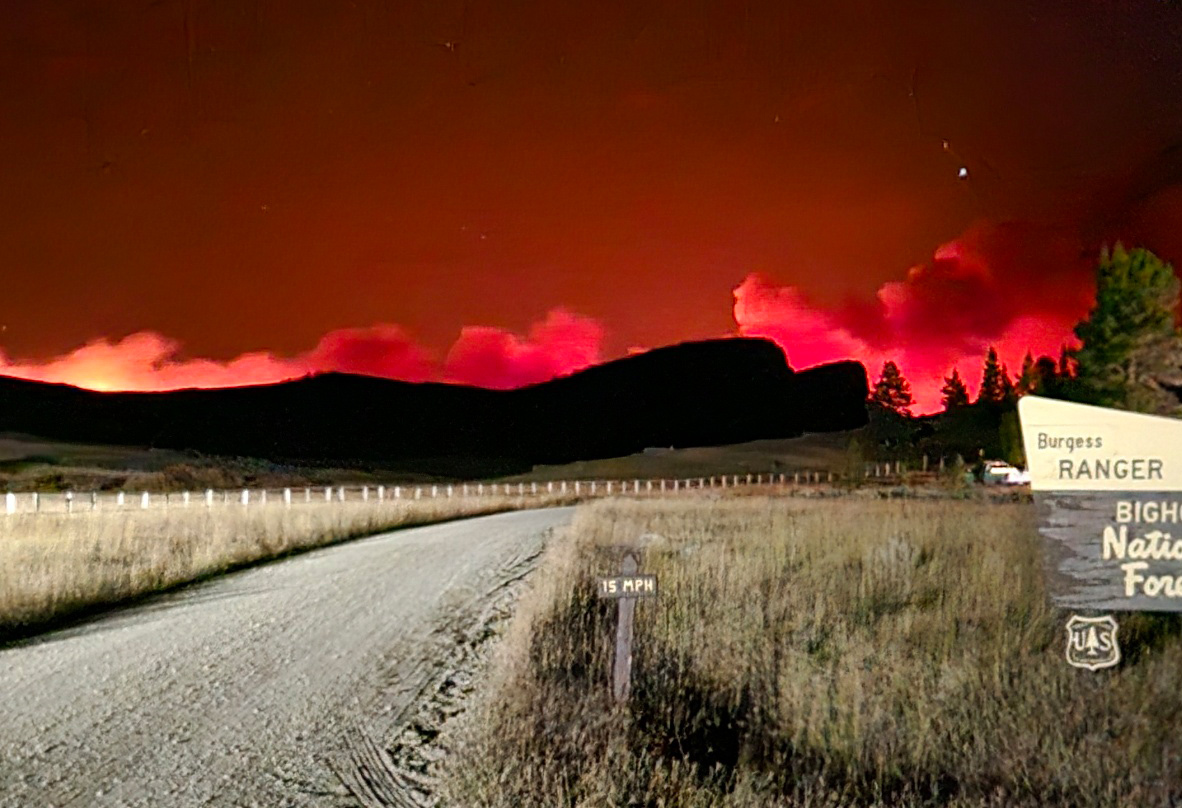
(211,193)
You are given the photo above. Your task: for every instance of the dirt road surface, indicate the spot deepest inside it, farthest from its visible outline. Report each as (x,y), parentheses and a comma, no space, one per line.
(252,689)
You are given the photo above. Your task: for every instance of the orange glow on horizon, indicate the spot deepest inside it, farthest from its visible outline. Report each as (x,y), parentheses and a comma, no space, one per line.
(487,357)
(974,294)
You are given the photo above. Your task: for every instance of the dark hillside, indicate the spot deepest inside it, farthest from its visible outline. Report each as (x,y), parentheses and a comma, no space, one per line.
(695,394)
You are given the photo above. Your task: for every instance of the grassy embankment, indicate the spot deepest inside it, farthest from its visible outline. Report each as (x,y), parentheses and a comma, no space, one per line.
(33,464)
(53,566)
(823,653)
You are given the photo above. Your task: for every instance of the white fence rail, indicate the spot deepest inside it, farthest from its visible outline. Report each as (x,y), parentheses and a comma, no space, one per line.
(73,502)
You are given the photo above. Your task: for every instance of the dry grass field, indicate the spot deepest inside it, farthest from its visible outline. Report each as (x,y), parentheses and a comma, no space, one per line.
(53,566)
(828,652)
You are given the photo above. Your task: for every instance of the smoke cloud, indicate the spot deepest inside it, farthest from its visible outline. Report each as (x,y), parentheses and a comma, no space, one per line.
(1017,287)
(382,350)
(150,361)
(489,357)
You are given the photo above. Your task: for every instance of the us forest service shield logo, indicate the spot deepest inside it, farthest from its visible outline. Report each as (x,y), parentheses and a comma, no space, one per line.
(1091,642)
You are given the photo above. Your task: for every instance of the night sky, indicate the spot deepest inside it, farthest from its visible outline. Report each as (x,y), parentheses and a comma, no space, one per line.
(208,193)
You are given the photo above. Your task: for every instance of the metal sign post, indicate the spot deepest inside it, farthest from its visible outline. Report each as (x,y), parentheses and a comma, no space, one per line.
(626,589)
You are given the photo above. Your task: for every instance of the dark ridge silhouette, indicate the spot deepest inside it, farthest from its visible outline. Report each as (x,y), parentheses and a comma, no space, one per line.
(694,394)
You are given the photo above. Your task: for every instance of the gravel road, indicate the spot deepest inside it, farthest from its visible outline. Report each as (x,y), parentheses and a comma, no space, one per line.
(251,689)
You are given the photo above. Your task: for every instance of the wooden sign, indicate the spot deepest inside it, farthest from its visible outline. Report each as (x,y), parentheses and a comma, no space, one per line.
(1108,487)
(626,588)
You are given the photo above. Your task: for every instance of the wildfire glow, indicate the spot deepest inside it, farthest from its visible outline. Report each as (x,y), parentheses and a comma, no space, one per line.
(995,286)
(1009,287)
(562,343)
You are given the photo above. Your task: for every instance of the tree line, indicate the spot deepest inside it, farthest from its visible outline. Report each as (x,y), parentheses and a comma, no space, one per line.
(1128,353)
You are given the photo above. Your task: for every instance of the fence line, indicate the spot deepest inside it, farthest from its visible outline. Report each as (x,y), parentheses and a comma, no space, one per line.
(93,501)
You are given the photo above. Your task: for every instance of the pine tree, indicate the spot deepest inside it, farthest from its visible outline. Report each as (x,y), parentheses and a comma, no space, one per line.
(1009,393)
(1027,381)
(1046,377)
(1130,353)
(992,384)
(892,391)
(1009,435)
(954,393)
(1066,363)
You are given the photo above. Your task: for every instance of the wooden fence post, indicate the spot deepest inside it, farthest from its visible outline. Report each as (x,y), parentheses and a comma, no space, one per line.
(209,497)
(10,503)
(287,497)
(245,497)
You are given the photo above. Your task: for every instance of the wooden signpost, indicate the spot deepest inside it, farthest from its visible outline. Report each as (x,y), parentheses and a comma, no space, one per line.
(626,588)
(1108,487)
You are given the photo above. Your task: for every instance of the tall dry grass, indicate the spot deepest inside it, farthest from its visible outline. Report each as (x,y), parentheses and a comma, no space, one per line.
(53,566)
(818,653)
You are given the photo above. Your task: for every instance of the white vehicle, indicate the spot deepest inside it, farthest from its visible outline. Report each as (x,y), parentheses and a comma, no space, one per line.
(998,472)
